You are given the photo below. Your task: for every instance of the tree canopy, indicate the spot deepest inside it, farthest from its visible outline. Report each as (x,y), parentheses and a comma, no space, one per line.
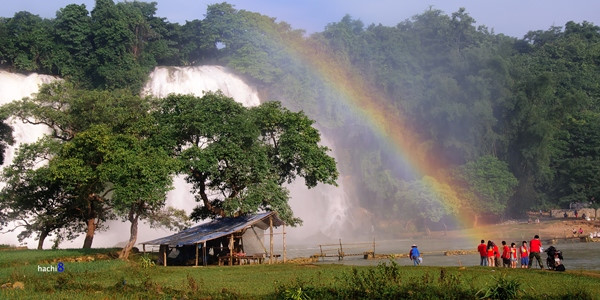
(97,163)
(238,158)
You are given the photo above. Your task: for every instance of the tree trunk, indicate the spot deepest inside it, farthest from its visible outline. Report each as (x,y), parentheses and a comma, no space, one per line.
(89,236)
(43,236)
(133,230)
(201,178)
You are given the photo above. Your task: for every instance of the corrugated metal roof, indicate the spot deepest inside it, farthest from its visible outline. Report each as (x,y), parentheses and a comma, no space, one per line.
(216,229)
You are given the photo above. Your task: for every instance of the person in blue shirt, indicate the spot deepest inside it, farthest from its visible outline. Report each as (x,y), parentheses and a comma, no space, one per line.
(414,254)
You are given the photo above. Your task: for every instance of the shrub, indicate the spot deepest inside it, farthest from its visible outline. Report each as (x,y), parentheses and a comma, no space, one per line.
(504,288)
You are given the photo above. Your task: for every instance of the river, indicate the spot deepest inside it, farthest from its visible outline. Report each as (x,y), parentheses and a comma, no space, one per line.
(577,255)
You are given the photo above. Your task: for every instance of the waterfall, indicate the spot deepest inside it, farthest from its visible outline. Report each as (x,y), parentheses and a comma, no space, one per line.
(198,80)
(324,209)
(15,87)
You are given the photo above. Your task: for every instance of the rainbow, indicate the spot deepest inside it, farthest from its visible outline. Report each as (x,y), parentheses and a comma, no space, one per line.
(368,104)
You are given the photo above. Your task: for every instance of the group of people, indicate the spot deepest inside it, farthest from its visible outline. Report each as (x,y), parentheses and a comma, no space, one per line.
(491,256)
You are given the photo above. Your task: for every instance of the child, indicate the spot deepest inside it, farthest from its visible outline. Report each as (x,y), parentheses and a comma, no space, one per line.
(513,255)
(524,252)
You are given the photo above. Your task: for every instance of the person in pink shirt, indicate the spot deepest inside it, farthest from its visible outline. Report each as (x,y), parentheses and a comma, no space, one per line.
(535,247)
(490,254)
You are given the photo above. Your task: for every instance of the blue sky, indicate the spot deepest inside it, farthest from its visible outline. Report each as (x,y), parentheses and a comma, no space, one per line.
(511,17)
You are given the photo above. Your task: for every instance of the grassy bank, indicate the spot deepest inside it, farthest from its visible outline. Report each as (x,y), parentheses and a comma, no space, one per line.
(95,275)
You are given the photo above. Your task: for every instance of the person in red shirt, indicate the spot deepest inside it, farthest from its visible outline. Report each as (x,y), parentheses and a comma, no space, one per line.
(524,252)
(497,263)
(482,248)
(505,255)
(535,247)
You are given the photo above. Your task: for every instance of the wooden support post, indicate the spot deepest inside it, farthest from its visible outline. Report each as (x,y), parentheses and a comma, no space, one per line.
(204,254)
(196,245)
(231,250)
(322,256)
(165,255)
(144,248)
(271,239)
(341,254)
(284,248)
(373,247)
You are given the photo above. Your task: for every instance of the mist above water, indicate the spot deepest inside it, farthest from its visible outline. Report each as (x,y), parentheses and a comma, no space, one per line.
(325,210)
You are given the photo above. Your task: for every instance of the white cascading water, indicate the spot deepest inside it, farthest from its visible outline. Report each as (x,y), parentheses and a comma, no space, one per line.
(15,87)
(324,209)
(198,80)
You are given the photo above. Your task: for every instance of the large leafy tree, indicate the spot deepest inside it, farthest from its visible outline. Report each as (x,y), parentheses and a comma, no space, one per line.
(578,166)
(33,199)
(238,158)
(104,162)
(74,48)
(487,185)
(427,201)
(140,175)
(27,42)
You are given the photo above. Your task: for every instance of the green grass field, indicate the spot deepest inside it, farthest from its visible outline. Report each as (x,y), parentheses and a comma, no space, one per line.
(94,274)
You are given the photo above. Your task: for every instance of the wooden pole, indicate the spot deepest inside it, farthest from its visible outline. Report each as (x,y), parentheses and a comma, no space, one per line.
(271,239)
(322,256)
(284,248)
(341,251)
(166,249)
(204,254)
(144,248)
(373,247)
(231,250)
(196,253)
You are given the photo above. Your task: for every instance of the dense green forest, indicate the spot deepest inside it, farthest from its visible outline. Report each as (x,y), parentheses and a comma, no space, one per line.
(516,121)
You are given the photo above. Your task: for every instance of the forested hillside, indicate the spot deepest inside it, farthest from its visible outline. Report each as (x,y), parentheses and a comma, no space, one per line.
(514,122)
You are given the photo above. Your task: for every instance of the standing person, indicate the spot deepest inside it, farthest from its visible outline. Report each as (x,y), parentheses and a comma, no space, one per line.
(414,255)
(505,255)
(490,253)
(524,252)
(535,247)
(482,253)
(513,255)
(498,261)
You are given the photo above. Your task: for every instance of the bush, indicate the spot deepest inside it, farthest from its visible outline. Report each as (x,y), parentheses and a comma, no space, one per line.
(503,289)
